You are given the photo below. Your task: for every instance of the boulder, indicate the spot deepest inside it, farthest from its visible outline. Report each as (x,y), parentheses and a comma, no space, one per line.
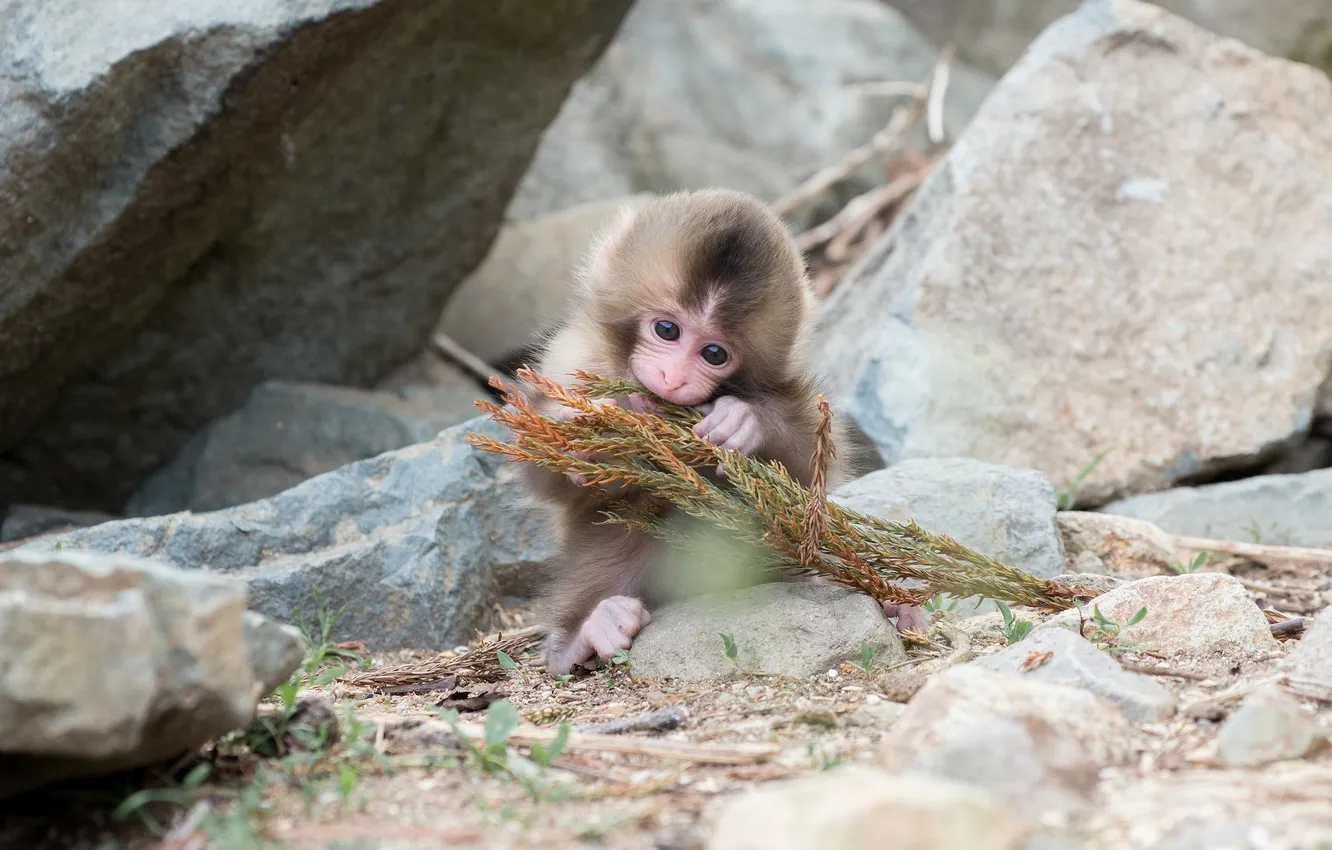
(1063,286)
(1038,747)
(1284,510)
(1204,618)
(858,808)
(992,35)
(791,629)
(114,662)
(411,542)
(1115,545)
(212,194)
(1076,662)
(289,432)
(745,94)
(521,288)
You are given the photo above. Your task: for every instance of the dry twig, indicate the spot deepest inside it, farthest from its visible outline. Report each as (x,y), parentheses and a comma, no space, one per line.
(934,125)
(883,141)
(450,349)
(1256,551)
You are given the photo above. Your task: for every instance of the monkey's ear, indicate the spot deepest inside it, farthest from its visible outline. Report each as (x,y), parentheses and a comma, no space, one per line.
(609,242)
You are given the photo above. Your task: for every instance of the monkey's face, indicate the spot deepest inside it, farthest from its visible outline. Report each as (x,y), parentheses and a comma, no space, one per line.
(682,356)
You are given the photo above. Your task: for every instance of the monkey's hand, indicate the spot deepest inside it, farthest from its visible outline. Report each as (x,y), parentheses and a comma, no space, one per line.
(731,423)
(612,625)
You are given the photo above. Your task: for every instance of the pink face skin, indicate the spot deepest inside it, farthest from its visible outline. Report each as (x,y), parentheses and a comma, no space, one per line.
(681,357)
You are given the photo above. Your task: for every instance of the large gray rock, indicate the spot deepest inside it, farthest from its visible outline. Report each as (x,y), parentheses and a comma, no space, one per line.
(199,196)
(792,629)
(992,35)
(1008,514)
(1039,747)
(521,288)
(1076,662)
(748,94)
(412,542)
(289,432)
(1204,618)
(1063,284)
(113,662)
(859,808)
(1286,510)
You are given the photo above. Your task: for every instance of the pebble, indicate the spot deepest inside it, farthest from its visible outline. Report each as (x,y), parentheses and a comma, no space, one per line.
(1270,725)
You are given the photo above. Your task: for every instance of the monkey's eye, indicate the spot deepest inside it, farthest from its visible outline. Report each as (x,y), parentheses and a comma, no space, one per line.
(714,354)
(668,331)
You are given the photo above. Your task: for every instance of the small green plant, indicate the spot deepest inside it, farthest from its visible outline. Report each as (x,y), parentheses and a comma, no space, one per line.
(820,760)
(1107,634)
(941,602)
(1191,566)
(621,659)
(1068,496)
(506,661)
(730,649)
(543,755)
(866,657)
(1014,629)
(322,650)
(562,681)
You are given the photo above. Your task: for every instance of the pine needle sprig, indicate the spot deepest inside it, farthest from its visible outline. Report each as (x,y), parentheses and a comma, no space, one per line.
(756,501)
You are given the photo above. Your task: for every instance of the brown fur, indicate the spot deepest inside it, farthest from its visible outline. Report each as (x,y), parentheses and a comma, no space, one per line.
(691,248)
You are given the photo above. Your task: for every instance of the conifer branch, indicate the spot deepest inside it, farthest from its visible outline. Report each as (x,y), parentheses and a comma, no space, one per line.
(756,501)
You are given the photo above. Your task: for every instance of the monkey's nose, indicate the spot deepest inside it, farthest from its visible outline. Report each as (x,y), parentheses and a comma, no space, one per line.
(672,382)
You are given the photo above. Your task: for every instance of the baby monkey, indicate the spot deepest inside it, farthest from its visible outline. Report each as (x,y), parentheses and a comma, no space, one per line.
(702,298)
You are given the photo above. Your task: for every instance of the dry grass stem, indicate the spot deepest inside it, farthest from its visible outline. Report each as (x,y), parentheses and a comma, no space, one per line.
(479,664)
(756,501)
(451,349)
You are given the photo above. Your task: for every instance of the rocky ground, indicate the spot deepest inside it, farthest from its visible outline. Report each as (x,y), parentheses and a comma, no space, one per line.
(1070,745)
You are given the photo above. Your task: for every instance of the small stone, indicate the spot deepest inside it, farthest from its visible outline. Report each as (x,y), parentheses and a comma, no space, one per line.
(876,714)
(794,629)
(1116,545)
(1269,726)
(1076,662)
(987,728)
(822,717)
(1200,617)
(1312,657)
(859,808)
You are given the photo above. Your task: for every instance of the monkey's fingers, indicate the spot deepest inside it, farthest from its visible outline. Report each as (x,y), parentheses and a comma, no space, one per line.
(613,624)
(640,403)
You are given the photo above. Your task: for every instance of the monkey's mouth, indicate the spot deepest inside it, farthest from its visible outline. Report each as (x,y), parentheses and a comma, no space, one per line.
(686,396)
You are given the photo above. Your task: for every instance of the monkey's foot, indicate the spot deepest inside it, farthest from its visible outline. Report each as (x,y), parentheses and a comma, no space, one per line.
(611,626)
(907,617)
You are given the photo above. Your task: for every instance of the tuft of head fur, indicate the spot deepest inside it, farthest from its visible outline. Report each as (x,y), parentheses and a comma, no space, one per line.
(713,248)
